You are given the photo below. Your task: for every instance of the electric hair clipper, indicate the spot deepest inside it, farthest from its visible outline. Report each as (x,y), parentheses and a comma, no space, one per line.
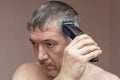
(72,31)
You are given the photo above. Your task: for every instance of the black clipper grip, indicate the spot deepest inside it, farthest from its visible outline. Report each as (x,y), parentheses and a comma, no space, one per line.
(73,31)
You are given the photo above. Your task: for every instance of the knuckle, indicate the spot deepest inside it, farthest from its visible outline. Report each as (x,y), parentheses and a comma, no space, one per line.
(68,50)
(88,42)
(88,48)
(77,37)
(100,52)
(94,55)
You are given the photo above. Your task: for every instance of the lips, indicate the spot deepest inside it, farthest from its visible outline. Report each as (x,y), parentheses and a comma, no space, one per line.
(50,68)
(47,66)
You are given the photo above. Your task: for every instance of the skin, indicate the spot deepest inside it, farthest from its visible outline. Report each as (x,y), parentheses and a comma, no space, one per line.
(48,48)
(59,58)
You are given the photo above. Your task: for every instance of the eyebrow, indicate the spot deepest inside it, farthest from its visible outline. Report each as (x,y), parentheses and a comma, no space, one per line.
(51,40)
(46,40)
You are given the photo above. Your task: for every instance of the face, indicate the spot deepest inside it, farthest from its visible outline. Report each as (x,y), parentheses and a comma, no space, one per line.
(48,45)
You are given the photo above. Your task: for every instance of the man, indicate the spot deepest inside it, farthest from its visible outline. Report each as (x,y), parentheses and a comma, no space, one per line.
(59,57)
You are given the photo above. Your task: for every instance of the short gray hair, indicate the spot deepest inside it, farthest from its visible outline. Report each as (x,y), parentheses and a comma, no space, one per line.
(55,10)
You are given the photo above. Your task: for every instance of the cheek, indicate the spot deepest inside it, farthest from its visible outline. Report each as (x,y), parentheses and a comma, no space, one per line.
(58,55)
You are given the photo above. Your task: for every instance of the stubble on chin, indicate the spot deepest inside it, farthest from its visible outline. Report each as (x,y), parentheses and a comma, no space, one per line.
(53,73)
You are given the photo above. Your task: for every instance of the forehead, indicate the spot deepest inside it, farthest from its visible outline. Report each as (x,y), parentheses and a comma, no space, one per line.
(49,30)
(50,24)
(43,35)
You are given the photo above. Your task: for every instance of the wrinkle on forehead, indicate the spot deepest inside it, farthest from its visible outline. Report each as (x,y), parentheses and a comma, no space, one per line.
(50,25)
(44,35)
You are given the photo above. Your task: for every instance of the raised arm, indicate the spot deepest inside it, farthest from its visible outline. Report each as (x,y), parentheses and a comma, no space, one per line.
(77,56)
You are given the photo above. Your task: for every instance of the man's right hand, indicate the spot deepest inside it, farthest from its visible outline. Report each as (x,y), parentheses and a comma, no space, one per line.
(76,56)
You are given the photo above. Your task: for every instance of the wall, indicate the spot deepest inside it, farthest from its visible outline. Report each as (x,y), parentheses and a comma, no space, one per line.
(99,19)
(114,32)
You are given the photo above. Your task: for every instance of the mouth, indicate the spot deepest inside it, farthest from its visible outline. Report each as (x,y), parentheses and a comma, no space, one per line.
(49,68)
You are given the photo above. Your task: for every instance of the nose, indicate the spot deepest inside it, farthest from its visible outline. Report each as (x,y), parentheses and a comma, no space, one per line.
(42,53)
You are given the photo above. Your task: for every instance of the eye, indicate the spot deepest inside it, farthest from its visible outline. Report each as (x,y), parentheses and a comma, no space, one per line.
(34,44)
(50,45)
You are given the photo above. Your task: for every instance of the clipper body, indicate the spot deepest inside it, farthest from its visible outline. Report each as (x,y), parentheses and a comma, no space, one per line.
(72,31)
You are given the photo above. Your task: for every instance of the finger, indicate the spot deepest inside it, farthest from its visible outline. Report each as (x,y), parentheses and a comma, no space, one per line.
(84,42)
(77,39)
(88,49)
(92,55)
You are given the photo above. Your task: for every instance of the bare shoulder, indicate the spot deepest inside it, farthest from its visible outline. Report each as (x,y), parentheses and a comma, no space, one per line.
(29,71)
(104,75)
(101,74)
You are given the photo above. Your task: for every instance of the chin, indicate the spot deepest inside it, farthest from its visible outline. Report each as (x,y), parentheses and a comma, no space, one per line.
(53,73)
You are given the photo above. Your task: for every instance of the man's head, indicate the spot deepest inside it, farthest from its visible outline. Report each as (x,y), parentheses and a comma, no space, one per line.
(46,35)
(53,11)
